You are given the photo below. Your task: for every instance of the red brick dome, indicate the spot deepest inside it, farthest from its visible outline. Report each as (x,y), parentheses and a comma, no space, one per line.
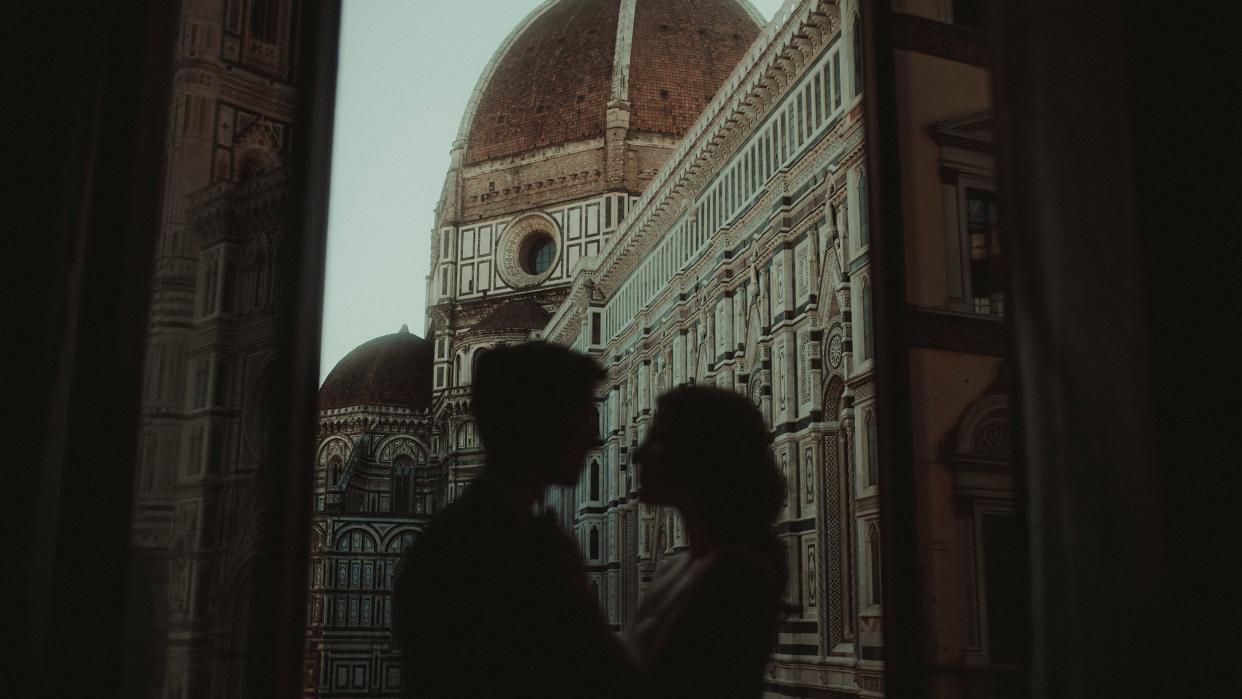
(551,82)
(389,371)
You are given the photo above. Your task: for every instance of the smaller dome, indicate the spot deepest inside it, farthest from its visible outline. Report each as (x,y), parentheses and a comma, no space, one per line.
(389,371)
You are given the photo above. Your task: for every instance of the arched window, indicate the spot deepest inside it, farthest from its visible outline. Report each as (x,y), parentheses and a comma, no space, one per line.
(334,470)
(210,280)
(355,540)
(593,543)
(264,20)
(260,276)
(474,362)
(457,371)
(868,338)
(858,55)
(465,436)
(595,480)
(873,470)
(864,226)
(595,425)
(402,483)
(148,462)
(873,554)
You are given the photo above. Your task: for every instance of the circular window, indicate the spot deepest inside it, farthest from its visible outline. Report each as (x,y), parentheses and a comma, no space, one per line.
(527,250)
(538,253)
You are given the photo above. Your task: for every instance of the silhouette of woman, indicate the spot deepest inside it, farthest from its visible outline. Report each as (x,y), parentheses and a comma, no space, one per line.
(707,623)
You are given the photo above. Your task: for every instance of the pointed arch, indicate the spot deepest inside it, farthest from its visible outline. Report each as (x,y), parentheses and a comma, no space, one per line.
(595,478)
(356,538)
(873,468)
(858,53)
(868,330)
(397,444)
(875,587)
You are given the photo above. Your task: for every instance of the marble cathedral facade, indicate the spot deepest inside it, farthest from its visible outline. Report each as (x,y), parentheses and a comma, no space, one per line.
(683,220)
(213,314)
(745,265)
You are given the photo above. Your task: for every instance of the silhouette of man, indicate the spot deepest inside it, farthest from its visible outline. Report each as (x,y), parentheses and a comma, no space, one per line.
(492,601)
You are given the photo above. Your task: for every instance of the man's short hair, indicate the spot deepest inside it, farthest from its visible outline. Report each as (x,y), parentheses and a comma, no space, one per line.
(524,396)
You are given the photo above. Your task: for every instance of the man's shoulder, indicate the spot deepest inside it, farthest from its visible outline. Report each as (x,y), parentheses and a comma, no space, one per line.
(478,519)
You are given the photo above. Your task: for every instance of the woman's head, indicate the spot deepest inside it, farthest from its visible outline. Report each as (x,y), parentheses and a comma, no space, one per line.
(709,450)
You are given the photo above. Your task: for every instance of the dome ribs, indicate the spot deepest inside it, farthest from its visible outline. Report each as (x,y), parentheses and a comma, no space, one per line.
(552,86)
(700,42)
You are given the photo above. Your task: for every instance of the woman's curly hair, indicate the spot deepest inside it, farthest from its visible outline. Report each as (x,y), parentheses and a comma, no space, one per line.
(720,453)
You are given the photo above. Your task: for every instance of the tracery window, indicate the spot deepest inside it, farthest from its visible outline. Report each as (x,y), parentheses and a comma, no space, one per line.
(264,20)
(595,480)
(334,470)
(873,470)
(474,361)
(466,436)
(868,334)
(858,56)
(193,465)
(148,462)
(873,556)
(864,225)
(402,483)
(202,380)
(211,275)
(836,80)
(593,543)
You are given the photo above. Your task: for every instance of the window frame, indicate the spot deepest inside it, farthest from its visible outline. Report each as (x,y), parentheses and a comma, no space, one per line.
(959,282)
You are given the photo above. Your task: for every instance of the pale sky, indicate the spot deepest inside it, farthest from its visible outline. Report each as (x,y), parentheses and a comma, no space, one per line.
(407,68)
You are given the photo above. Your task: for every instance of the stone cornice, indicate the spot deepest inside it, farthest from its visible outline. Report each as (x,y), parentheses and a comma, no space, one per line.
(563,327)
(276,99)
(561,149)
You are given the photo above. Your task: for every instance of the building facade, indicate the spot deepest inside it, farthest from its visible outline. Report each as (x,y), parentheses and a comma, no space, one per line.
(680,190)
(745,266)
(215,304)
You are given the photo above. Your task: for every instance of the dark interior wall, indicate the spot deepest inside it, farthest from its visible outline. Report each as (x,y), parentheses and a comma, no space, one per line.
(93,81)
(1085,391)
(1117,161)
(94,86)
(1112,141)
(1187,185)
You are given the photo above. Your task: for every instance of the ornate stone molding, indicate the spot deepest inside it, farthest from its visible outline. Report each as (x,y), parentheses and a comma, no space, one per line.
(509,249)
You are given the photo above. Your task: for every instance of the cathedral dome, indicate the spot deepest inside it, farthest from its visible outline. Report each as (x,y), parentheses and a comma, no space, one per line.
(389,371)
(553,80)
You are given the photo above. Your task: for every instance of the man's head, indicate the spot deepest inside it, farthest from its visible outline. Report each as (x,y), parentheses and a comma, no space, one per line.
(534,403)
